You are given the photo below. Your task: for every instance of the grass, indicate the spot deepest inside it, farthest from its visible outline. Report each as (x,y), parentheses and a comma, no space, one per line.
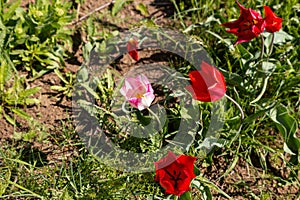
(252,160)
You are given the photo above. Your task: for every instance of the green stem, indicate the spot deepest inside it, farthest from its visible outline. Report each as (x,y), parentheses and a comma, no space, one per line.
(156,117)
(262,91)
(238,105)
(271,45)
(262,47)
(265,84)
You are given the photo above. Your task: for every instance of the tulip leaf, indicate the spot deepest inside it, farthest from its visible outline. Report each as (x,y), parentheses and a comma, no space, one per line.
(196,171)
(186,196)
(281,37)
(268,67)
(287,126)
(205,191)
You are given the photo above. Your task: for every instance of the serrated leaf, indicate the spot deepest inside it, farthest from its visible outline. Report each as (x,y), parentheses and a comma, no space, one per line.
(210,142)
(5,73)
(29,92)
(91,91)
(118,5)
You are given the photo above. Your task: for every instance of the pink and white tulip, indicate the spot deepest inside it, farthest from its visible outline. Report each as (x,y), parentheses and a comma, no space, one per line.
(138,92)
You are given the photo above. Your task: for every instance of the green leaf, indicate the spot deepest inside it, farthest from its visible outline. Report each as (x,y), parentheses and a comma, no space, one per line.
(210,142)
(205,191)
(287,126)
(90,90)
(83,74)
(58,88)
(118,5)
(186,196)
(268,67)
(253,117)
(10,10)
(57,72)
(5,73)
(281,37)
(9,119)
(21,113)
(196,171)
(29,92)
(32,101)
(143,9)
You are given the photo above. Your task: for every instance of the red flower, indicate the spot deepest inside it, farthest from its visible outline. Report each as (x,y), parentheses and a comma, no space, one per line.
(208,84)
(248,26)
(175,173)
(132,47)
(273,23)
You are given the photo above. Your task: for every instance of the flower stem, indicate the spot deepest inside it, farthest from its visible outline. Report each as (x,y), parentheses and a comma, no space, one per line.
(262,47)
(267,78)
(238,105)
(156,117)
(242,117)
(271,45)
(262,91)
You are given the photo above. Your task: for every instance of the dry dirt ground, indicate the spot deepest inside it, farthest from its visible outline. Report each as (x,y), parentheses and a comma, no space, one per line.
(54,111)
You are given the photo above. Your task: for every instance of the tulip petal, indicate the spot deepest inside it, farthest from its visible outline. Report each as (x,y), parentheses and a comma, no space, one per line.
(208,84)
(248,26)
(175,173)
(138,92)
(273,23)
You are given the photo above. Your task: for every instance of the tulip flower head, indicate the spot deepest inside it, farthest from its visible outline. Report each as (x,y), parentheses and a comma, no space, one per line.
(249,25)
(138,92)
(273,23)
(175,173)
(132,47)
(208,84)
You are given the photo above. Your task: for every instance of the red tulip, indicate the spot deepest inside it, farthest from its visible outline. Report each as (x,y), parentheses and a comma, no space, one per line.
(132,47)
(208,84)
(248,26)
(273,23)
(175,173)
